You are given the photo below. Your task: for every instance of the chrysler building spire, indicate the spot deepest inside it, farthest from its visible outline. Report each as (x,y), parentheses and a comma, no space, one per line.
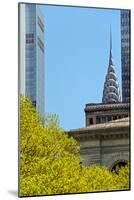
(111,92)
(110,55)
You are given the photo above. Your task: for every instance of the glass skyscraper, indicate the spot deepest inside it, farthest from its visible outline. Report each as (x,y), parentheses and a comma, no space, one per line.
(31,58)
(125,54)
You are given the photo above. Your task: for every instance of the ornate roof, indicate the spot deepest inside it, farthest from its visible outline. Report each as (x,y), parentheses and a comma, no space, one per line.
(111,92)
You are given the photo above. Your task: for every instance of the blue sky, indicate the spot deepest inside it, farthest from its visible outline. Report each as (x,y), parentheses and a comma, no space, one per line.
(77,44)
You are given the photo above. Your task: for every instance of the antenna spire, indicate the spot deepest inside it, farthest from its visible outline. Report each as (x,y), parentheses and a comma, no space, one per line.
(110,55)
(110,38)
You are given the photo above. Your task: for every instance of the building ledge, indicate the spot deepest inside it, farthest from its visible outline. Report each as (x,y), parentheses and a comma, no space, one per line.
(119,123)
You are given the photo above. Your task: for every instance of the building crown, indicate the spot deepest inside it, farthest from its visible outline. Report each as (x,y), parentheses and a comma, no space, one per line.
(111,92)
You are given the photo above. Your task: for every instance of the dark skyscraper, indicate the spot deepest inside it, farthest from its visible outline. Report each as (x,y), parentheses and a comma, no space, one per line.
(125,54)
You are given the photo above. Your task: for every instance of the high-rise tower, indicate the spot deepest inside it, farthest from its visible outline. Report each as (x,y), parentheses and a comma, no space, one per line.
(111,88)
(125,54)
(31,57)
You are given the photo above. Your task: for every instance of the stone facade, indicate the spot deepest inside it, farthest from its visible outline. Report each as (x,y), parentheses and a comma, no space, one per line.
(104,144)
(102,113)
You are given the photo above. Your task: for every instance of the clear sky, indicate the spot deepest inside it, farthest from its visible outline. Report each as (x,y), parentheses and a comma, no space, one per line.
(77,42)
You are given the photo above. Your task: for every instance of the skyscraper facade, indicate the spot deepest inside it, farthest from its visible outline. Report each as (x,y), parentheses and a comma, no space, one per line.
(111,92)
(31,58)
(125,54)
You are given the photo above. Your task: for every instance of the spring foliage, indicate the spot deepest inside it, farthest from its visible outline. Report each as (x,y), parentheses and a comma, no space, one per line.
(50,160)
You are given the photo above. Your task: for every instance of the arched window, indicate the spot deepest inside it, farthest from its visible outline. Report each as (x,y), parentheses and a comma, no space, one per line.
(118,165)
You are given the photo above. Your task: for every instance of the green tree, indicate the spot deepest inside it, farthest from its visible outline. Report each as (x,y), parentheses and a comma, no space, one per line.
(50,160)
(122,177)
(48,157)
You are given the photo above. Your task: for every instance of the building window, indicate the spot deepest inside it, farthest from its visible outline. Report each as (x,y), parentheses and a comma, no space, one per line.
(29,38)
(114,117)
(103,119)
(98,120)
(109,118)
(91,121)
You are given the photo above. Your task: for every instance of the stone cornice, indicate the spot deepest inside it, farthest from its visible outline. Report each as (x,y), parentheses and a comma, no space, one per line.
(101,107)
(101,136)
(115,129)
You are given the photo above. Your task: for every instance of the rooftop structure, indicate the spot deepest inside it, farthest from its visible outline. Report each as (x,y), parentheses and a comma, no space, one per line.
(111,92)
(102,113)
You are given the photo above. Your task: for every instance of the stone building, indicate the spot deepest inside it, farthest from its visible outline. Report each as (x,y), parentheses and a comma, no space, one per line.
(105,139)
(104,144)
(102,113)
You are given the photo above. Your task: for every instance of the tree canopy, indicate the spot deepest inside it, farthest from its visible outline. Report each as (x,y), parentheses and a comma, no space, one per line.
(50,160)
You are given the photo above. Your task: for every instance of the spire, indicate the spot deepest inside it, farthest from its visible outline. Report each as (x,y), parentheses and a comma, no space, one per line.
(111,92)
(110,55)
(110,39)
